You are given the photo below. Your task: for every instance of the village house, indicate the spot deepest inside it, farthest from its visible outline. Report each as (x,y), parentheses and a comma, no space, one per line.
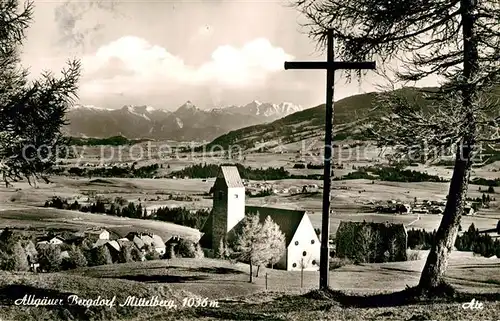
(152,240)
(468,210)
(158,244)
(53,240)
(229,209)
(137,241)
(97,234)
(113,247)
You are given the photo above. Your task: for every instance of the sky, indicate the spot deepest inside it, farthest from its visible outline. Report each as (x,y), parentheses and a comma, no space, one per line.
(163,53)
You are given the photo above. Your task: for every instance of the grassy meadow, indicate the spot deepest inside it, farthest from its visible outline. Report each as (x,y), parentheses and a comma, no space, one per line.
(227,285)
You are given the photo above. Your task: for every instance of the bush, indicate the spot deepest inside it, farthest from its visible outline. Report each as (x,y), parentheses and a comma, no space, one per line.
(152,255)
(336,262)
(75,260)
(189,249)
(20,258)
(100,256)
(136,254)
(14,259)
(6,263)
(198,254)
(170,252)
(49,257)
(413,255)
(31,252)
(126,254)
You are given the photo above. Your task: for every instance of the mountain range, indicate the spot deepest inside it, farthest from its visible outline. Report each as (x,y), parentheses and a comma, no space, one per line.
(187,123)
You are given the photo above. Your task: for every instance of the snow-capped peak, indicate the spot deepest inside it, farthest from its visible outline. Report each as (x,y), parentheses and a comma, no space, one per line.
(188,105)
(136,110)
(89,107)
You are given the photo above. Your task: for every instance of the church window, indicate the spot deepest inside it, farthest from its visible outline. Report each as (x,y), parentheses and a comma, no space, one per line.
(304,253)
(313,262)
(294,265)
(296,242)
(235,195)
(312,241)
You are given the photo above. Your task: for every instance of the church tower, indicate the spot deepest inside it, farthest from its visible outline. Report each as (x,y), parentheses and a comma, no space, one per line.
(228,203)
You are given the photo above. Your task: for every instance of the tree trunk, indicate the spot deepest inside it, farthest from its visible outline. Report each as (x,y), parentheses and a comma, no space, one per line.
(258,268)
(437,261)
(251,272)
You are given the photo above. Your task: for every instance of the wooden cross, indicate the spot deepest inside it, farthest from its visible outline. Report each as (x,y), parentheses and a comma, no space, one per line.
(330,65)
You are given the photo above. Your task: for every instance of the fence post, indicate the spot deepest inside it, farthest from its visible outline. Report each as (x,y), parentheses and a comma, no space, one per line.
(266,280)
(302,273)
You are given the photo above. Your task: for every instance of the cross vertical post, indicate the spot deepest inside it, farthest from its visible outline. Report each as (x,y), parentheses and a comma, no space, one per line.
(325,220)
(330,65)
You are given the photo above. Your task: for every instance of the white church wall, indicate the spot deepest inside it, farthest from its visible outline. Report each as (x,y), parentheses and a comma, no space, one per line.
(305,241)
(235,206)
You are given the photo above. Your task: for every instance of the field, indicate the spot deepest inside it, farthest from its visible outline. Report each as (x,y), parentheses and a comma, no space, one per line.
(348,203)
(40,219)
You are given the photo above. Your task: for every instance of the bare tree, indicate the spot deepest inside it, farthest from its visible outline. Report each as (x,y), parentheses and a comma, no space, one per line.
(258,244)
(458,40)
(31,113)
(248,243)
(275,244)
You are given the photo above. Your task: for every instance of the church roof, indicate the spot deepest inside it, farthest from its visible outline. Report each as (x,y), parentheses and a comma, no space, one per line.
(231,176)
(287,220)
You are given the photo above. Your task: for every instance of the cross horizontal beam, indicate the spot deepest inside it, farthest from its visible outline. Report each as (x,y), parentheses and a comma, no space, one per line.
(329,65)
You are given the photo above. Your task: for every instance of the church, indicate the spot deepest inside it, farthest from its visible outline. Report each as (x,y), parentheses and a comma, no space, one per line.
(302,243)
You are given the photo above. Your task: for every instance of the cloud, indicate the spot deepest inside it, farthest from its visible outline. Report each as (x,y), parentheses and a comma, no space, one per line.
(130,64)
(78,21)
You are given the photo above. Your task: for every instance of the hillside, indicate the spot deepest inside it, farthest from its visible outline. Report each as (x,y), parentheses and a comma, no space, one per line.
(307,126)
(226,284)
(309,123)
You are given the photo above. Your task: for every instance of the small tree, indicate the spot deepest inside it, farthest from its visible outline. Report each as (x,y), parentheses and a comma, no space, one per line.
(31,113)
(31,251)
(152,255)
(189,249)
(136,254)
(126,254)
(248,242)
(364,243)
(170,251)
(76,257)
(223,251)
(49,257)
(198,254)
(491,189)
(101,256)
(257,243)
(274,243)
(14,259)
